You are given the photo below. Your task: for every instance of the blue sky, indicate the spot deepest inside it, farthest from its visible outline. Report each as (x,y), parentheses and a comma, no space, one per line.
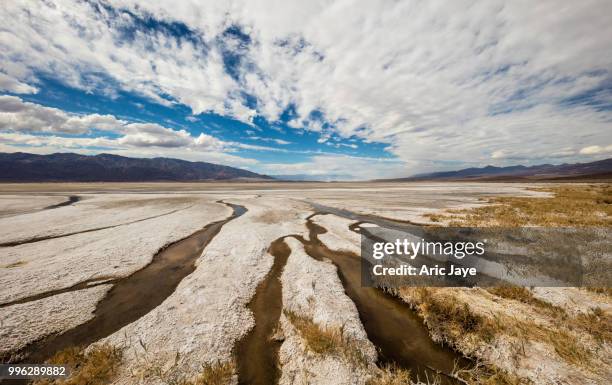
(329,89)
(271,141)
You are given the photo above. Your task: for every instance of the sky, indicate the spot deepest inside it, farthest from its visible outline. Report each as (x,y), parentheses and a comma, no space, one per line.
(331,89)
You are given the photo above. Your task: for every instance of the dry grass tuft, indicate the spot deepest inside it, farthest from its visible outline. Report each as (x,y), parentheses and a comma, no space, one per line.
(391,375)
(566,344)
(326,340)
(459,316)
(218,373)
(482,374)
(516,293)
(452,319)
(597,323)
(318,340)
(607,291)
(95,366)
(525,296)
(567,347)
(571,206)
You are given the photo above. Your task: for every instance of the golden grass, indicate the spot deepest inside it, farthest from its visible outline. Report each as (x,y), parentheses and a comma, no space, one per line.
(391,375)
(218,373)
(607,291)
(95,366)
(482,374)
(455,321)
(451,319)
(517,293)
(318,340)
(525,296)
(597,323)
(326,340)
(568,347)
(571,206)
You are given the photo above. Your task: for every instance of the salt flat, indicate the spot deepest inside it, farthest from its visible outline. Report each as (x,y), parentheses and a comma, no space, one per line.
(49,256)
(16,204)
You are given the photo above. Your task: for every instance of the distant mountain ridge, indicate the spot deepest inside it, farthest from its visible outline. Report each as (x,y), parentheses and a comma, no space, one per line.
(70,167)
(597,169)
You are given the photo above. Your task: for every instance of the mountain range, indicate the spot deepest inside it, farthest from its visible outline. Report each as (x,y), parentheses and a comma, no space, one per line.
(69,167)
(601,169)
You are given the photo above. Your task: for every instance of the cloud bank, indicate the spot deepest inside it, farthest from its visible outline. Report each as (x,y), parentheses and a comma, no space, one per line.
(43,130)
(439,82)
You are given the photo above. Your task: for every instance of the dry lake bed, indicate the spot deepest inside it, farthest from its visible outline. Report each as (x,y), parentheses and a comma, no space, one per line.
(259,283)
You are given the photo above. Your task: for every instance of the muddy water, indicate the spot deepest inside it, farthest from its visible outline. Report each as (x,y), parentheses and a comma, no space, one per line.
(134,296)
(257,352)
(390,324)
(388,223)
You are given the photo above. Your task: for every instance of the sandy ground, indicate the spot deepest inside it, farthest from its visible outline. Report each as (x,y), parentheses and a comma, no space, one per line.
(575,301)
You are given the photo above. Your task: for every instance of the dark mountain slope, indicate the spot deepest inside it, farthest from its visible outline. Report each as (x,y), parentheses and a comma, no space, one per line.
(68,167)
(597,169)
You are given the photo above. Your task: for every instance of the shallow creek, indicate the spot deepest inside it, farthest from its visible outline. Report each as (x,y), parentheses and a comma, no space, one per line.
(257,351)
(396,330)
